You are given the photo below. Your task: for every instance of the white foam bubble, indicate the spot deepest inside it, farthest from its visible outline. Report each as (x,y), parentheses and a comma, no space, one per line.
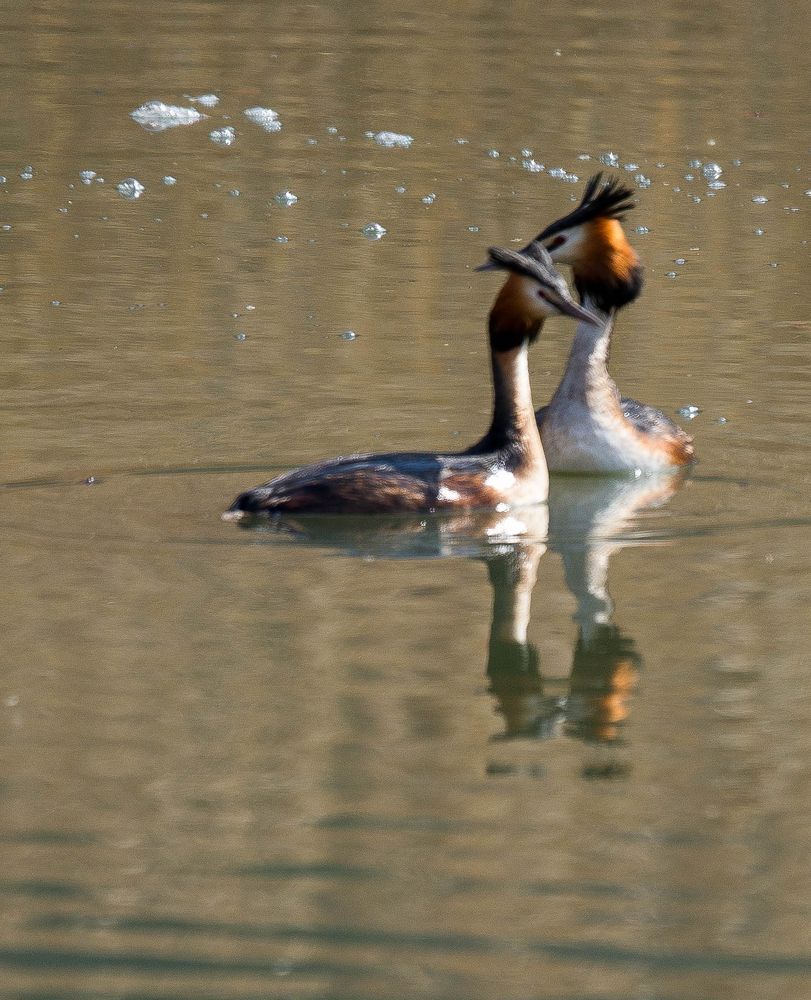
(156,116)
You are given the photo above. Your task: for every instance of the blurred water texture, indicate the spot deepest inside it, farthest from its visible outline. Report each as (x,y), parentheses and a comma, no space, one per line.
(404,758)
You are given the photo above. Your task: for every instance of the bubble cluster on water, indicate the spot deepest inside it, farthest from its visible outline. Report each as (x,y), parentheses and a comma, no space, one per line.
(281,239)
(670,274)
(691,411)
(642,180)
(641,230)
(285,198)
(679,260)
(225,136)
(609,159)
(240,336)
(493,154)
(532,166)
(130,188)
(27,173)
(400,189)
(348,335)
(207,100)
(712,171)
(373,231)
(428,199)
(168,180)
(561,174)
(266,118)
(156,116)
(758,232)
(87,176)
(760,199)
(391,140)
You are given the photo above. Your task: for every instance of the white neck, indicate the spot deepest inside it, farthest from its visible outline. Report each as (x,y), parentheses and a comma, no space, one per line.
(513,412)
(586,377)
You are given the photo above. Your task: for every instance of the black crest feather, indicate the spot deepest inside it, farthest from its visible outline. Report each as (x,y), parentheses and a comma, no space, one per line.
(539,266)
(609,199)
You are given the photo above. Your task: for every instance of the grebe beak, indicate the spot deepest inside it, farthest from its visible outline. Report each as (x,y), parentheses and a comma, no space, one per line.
(232,515)
(571,308)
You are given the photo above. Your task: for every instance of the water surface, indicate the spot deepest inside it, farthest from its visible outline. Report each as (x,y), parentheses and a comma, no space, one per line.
(403,758)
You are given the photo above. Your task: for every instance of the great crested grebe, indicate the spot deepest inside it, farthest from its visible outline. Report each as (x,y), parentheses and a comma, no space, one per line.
(506,467)
(588,426)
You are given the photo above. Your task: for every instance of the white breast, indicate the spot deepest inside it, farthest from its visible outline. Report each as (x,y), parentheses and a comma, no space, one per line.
(576,439)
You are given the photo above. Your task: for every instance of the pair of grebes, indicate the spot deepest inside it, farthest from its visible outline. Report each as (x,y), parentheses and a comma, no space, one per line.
(586,428)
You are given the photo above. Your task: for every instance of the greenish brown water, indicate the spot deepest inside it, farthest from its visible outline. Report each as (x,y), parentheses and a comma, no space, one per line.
(349,760)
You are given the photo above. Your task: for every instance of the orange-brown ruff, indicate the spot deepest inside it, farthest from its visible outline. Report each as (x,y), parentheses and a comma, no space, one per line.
(588,426)
(505,468)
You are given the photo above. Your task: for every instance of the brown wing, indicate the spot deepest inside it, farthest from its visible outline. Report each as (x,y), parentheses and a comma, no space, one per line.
(374,484)
(651,422)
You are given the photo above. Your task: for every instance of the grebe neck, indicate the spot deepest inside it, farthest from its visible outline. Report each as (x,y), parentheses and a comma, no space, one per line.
(586,378)
(513,427)
(513,576)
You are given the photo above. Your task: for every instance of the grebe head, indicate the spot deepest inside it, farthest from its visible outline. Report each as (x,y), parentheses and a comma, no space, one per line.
(591,239)
(533,292)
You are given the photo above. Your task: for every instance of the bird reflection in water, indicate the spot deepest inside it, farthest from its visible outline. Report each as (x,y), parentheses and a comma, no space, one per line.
(589,520)
(586,521)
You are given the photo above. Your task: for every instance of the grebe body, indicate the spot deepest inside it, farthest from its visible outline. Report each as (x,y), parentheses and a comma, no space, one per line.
(587,426)
(506,468)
